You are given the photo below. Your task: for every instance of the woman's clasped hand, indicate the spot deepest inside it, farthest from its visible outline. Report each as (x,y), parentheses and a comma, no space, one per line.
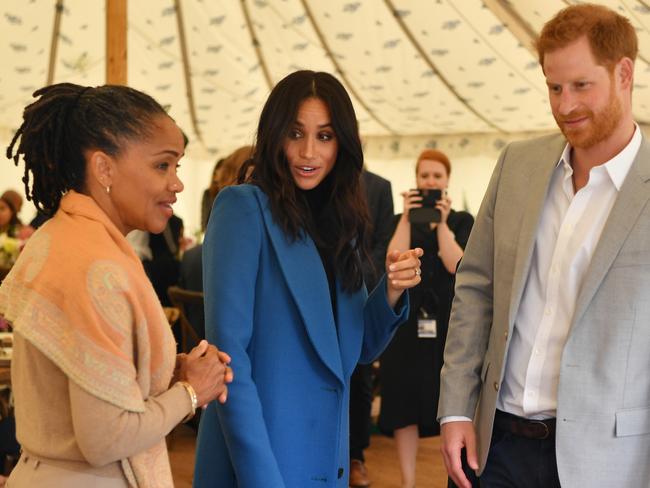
(207,370)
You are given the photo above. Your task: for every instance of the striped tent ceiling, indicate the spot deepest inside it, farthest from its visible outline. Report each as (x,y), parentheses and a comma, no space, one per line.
(412,67)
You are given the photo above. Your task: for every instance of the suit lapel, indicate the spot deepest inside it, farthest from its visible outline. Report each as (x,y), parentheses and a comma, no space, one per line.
(631,200)
(306,279)
(540,178)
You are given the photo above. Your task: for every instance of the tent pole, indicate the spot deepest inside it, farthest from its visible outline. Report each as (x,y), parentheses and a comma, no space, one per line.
(116,48)
(256,45)
(443,79)
(54,44)
(508,16)
(186,70)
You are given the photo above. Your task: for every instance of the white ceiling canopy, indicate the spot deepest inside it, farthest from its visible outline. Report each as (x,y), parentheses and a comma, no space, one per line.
(412,67)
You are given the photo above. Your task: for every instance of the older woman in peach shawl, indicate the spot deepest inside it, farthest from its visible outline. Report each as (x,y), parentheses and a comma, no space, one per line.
(93,354)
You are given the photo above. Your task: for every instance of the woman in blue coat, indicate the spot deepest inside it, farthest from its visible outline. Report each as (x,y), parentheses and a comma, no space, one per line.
(285,297)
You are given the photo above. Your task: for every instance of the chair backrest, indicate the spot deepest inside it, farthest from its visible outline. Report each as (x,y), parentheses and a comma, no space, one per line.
(184,299)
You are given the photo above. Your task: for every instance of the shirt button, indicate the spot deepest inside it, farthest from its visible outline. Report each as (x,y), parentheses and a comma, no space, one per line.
(505,335)
(340,473)
(496,386)
(547,311)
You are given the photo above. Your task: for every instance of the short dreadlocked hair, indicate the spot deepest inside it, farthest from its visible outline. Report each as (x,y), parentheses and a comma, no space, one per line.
(65,121)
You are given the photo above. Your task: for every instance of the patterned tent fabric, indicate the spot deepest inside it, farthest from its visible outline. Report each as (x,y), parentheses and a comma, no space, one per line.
(416,68)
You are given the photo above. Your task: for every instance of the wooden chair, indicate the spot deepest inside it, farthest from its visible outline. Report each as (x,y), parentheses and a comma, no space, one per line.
(181,299)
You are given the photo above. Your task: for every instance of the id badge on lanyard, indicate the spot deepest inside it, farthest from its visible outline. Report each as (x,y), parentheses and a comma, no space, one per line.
(427,329)
(427,326)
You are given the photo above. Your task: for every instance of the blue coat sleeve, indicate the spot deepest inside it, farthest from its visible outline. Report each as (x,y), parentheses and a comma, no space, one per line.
(380,321)
(231,260)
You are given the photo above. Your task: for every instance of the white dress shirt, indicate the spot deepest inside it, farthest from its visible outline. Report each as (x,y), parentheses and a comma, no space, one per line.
(567,235)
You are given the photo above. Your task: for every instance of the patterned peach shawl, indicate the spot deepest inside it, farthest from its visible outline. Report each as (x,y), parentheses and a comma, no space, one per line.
(79,294)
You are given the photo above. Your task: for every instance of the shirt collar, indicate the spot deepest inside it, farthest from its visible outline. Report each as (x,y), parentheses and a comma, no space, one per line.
(619,166)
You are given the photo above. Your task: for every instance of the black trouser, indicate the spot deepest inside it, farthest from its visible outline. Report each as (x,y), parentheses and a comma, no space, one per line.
(522,455)
(360,405)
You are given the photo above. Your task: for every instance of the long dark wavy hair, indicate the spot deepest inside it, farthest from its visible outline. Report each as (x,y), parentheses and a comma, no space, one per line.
(66,120)
(343,227)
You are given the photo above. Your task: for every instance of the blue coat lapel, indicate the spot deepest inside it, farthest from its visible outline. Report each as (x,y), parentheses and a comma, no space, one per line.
(303,271)
(350,312)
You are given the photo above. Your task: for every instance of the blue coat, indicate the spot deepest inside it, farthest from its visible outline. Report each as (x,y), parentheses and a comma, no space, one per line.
(285,424)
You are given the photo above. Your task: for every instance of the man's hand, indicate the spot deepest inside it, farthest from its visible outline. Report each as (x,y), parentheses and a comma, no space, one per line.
(453,437)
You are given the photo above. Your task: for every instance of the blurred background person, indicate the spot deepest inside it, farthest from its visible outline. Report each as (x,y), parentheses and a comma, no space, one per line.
(163,259)
(246,171)
(191,272)
(209,194)
(23,231)
(224,174)
(410,366)
(379,196)
(232,165)
(16,200)
(93,356)
(11,234)
(9,222)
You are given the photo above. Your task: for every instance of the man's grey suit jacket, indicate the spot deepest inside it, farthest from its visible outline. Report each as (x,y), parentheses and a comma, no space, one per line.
(603,412)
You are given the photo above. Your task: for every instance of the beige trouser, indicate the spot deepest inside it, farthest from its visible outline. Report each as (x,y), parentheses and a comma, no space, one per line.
(38,472)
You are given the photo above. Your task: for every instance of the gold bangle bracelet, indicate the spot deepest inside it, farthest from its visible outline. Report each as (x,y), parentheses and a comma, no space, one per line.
(193,399)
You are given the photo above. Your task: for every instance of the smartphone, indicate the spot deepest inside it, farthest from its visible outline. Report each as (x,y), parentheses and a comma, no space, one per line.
(430,197)
(427,213)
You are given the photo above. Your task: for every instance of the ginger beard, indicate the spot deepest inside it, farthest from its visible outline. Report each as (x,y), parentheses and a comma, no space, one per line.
(601,124)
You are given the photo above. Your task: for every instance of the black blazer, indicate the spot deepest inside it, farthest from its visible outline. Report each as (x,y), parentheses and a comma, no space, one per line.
(380,203)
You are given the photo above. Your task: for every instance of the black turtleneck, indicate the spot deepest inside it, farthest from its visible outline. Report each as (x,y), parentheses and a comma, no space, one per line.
(317,201)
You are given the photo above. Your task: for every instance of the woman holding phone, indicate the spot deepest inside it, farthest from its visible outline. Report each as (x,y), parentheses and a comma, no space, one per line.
(410,366)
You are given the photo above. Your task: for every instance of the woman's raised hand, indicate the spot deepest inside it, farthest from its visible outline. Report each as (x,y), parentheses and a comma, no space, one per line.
(444,205)
(412,199)
(404,272)
(206,369)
